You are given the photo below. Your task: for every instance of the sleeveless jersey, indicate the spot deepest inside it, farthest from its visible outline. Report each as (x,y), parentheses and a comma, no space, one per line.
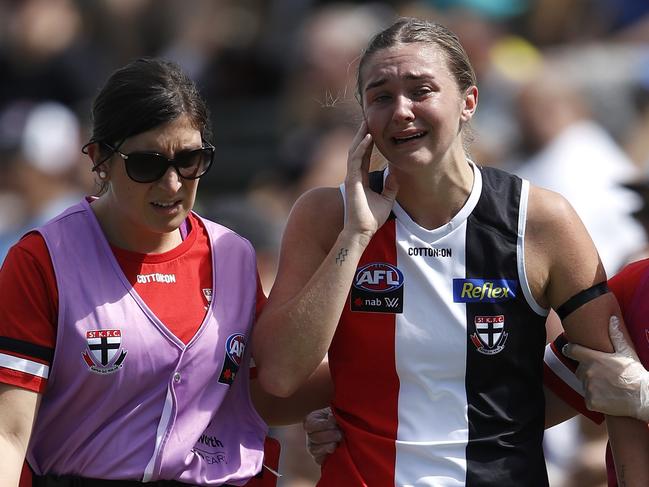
(438,357)
(127,399)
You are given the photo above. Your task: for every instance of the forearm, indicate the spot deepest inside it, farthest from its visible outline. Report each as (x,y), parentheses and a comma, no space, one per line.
(316,393)
(291,338)
(12,454)
(17,413)
(629,439)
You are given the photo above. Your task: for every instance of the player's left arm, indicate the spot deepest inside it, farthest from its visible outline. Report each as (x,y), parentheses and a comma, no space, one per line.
(569,271)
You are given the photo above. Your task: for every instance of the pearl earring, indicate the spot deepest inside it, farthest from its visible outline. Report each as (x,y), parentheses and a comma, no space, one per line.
(102,175)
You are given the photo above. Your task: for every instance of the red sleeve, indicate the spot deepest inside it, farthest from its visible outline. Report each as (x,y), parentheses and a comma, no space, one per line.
(559,376)
(624,283)
(28,314)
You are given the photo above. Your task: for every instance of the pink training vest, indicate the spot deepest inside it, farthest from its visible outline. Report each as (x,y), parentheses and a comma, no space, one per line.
(126,399)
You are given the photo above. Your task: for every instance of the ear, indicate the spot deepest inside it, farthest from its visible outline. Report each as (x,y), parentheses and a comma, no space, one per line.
(94,153)
(470,104)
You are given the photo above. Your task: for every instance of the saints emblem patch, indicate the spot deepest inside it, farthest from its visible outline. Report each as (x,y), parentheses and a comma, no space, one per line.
(207,294)
(490,335)
(104,353)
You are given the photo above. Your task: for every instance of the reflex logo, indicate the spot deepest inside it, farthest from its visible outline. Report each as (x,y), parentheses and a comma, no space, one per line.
(484,290)
(378,277)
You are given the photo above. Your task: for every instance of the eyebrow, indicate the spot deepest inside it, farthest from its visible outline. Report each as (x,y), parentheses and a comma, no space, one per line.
(409,76)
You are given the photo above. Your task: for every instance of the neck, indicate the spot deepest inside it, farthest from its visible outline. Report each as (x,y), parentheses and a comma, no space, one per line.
(123,234)
(434,196)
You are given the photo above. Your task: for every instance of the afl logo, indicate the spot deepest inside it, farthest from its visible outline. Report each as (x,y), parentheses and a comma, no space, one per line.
(378,277)
(235,346)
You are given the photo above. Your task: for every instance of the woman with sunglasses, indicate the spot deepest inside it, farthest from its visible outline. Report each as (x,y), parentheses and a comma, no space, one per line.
(428,284)
(125,321)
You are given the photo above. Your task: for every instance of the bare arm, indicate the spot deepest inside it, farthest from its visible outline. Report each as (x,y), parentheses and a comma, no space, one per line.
(629,439)
(317,264)
(617,384)
(316,393)
(556,410)
(567,264)
(17,413)
(564,262)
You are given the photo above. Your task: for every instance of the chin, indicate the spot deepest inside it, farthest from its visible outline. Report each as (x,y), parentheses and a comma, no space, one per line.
(412,160)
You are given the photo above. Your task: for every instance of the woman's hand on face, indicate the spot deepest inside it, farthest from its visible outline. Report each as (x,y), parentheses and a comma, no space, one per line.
(365,209)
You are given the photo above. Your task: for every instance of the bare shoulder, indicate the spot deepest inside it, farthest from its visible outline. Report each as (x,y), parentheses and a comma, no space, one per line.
(561,258)
(317,216)
(555,229)
(312,228)
(548,211)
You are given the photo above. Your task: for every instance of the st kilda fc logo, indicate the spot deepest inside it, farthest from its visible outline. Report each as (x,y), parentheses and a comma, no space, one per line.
(104,353)
(377,288)
(235,345)
(490,335)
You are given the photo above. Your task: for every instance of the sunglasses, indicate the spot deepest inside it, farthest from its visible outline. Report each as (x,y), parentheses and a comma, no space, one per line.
(147,167)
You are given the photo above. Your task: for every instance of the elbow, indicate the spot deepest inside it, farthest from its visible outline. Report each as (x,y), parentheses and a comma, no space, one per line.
(275,383)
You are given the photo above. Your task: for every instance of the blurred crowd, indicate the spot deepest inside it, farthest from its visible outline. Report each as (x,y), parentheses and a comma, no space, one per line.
(564,102)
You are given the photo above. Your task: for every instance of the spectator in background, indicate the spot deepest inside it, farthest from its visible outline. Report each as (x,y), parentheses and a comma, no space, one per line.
(44,167)
(320,111)
(564,149)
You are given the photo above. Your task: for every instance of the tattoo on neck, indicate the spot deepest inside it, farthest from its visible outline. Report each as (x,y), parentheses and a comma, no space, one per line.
(340,258)
(621,476)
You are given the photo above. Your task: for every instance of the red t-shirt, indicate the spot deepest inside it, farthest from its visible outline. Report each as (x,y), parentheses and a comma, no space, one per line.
(176,285)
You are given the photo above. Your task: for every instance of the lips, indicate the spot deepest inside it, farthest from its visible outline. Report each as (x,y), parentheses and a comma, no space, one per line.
(407,137)
(165,205)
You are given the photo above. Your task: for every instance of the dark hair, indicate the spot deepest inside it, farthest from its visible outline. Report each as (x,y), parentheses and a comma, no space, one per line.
(142,95)
(410,30)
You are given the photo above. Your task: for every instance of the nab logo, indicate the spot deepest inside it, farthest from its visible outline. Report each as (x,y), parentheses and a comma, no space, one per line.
(484,290)
(235,346)
(378,277)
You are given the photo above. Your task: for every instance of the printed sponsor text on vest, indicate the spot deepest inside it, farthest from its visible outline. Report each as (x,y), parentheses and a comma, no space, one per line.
(156,277)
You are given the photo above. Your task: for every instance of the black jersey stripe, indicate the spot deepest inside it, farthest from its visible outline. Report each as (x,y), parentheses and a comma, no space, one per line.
(503,385)
(26,348)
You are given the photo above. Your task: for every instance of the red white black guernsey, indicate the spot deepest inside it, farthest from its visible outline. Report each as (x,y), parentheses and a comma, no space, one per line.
(438,357)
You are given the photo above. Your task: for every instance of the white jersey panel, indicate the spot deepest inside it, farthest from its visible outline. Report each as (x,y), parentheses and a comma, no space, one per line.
(431,365)
(430,342)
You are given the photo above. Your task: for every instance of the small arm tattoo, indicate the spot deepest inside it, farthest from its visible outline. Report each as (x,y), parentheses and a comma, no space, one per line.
(340,258)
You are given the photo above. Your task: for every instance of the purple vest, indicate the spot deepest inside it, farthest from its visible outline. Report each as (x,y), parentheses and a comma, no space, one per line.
(126,399)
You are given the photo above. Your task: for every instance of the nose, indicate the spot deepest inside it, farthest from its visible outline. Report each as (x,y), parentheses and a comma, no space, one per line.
(403,109)
(171,180)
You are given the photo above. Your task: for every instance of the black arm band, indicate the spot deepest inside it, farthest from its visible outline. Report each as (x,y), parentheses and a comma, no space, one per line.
(581,298)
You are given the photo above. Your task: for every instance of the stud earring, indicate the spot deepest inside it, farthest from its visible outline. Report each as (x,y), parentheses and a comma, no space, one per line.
(102,175)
